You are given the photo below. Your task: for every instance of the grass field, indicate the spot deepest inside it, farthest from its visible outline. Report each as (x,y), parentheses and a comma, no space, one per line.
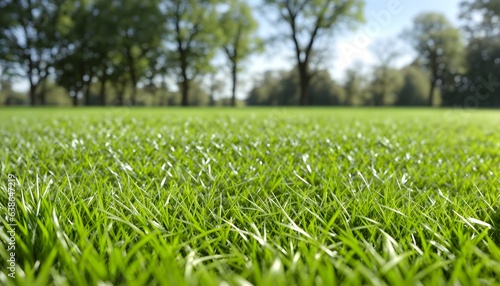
(251,196)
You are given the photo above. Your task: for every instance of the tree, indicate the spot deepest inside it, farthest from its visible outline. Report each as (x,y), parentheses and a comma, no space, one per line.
(415,87)
(239,28)
(384,85)
(138,41)
(439,47)
(26,28)
(197,95)
(260,93)
(108,41)
(324,91)
(353,86)
(76,61)
(308,20)
(482,18)
(192,28)
(282,89)
(8,96)
(479,86)
(216,87)
(386,79)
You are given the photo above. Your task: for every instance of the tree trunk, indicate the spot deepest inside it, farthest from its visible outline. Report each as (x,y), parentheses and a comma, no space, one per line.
(32,94)
(434,76)
(384,86)
(303,94)
(75,99)
(102,92)
(304,84)
(120,95)
(233,88)
(133,99)
(133,77)
(431,93)
(87,95)
(185,92)
(185,81)
(88,89)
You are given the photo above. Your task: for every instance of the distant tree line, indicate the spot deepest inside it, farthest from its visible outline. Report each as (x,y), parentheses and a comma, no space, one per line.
(107,52)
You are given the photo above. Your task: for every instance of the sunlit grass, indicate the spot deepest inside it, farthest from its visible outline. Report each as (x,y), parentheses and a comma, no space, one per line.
(264,197)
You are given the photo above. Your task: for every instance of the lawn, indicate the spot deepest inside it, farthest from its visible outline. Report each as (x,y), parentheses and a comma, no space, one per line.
(250,196)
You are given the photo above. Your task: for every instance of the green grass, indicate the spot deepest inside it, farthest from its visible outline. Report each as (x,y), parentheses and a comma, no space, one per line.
(253,196)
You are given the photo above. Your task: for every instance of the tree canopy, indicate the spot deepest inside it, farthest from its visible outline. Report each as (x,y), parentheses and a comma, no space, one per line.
(439,46)
(308,20)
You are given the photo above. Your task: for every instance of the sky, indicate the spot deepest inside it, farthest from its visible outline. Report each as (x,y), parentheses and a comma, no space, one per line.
(384,19)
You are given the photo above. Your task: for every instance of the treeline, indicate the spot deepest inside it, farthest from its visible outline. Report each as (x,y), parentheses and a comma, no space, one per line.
(406,87)
(102,52)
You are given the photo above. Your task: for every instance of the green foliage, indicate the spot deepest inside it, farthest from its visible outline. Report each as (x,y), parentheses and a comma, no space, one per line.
(110,41)
(263,89)
(240,40)
(325,91)
(194,36)
(8,96)
(414,89)
(482,18)
(226,101)
(198,96)
(439,46)
(355,89)
(55,95)
(239,29)
(479,85)
(308,20)
(27,32)
(384,86)
(282,89)
(260,197)
(105,52)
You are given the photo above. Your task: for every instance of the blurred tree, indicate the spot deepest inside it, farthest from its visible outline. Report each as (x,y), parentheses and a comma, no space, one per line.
(482,18)
(282,89)
(197,95)
(194,35)
(479,86)
(26,29)
(260,93)
(415,87)
(134,20)
(108,41)
(239,29)
(386,80)
(384,85)
(8,96)
(227,101)
(216,87)
(353,87)
(325,91)
(154,80)
(76,59)
(439,46)
(55,94)
(482,79)
(308,20)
